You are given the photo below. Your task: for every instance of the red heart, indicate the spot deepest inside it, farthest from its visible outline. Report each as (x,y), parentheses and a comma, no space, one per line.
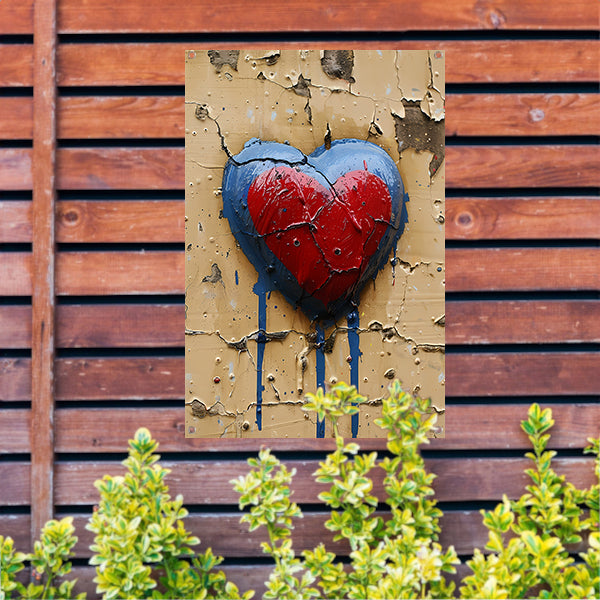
(324,236)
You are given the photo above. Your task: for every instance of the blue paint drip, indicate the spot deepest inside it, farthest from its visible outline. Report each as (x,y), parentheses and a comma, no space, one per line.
(355,353)
(320,374)
(237,279)
(260,289)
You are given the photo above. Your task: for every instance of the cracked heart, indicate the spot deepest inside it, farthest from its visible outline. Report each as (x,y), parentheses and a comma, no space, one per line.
(315,227)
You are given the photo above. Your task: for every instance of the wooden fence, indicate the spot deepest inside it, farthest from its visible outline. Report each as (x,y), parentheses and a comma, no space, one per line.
(92,261)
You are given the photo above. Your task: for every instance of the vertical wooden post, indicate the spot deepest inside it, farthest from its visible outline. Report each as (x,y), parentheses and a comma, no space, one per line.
(43,301)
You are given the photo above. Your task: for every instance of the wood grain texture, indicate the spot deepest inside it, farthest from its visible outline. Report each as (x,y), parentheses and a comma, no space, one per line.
(522,114)
(15,326)
(120,221)
(15,224)
(522,166)
(16,483)
(376,15)
(526,374)
(121,117)
(522,218)
(208,482)
(16,65)
(120,378)
(467,427)
(15,379)
(120,168)
(16,118)
(523,269)
(15,167)
(15,434)
(474,61)
(108,273)
(16,16)
(139,326)
(523,322)
(16,270)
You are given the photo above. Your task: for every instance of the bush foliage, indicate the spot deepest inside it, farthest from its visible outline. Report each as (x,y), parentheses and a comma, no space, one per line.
(141,548)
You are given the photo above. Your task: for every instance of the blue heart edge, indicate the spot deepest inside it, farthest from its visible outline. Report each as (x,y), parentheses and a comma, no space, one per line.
(325,165)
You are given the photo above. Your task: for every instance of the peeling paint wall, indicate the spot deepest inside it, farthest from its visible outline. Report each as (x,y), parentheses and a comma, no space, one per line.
(394,99)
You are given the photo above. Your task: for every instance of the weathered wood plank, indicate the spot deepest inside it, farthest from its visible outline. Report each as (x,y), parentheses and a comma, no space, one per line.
(15,326)
(522,166)
(522,218)
(120,221)
(15,225)
(467,167)
(16,16)
(15,167)
(162,272)
(120,378)
(480,61)
(374,15)
(15,434)
(522,114)
(16,279)
(107,273)
(467,115)
(16,118)
(480,374)
(139,326)
(120,168)
(121,117)
(527,374)
(16,65)
(467,427)
(16,483)
(522,269)
(208,482)
(523,322)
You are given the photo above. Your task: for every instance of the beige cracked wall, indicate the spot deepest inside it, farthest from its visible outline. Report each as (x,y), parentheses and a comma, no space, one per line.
(392,98)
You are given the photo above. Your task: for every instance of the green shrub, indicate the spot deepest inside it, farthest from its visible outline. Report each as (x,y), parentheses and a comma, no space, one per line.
(141,548)
(401,558)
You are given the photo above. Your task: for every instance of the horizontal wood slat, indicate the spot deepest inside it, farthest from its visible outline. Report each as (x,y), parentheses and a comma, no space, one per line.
(16,118)
(15,225)
(480,61)
(162,272)
(161,326)
(522,114)
(15,166)
(162,220)
(113,117)
(120,221)
(163,168)
(121,117)
(510,373)
(522,166)
(527,374)
(522,269)
(16,64)
(375,15)
(208,482)
(467,427)
(16,16)
(522,218)
(523,322)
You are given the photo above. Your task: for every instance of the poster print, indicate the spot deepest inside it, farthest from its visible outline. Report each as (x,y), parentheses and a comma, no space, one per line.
(314,235)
